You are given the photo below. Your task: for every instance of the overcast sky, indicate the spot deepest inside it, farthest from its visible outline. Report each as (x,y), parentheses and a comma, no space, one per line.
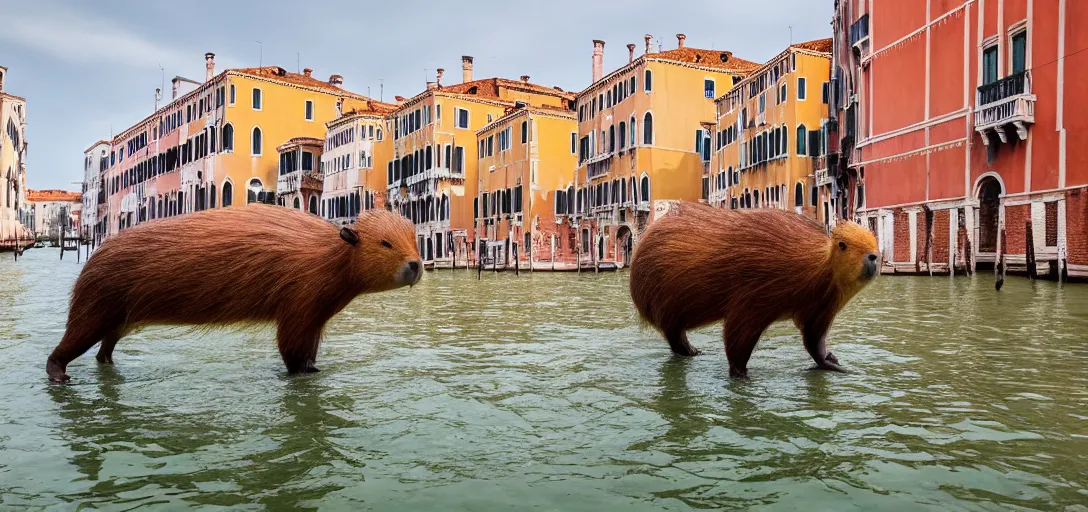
(89,67)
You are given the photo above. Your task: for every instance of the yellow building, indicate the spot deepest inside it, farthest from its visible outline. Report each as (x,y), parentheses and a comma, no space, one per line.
(771,127)
(13,150)
(637,149)
(526,161)
(214,144)
(433,175)
(357,153)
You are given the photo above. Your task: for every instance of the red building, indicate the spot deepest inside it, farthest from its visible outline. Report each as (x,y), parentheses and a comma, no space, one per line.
(962,141)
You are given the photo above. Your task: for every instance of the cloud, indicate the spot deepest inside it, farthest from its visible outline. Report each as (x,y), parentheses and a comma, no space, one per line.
(84,39)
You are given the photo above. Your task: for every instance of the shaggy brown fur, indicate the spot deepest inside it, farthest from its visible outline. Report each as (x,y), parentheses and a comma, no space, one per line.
(748,268)
(241,264)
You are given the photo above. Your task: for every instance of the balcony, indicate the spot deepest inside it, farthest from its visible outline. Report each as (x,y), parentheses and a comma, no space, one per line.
(1008,101)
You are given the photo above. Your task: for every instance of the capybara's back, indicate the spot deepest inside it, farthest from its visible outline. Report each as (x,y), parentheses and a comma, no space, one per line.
(703,265)
(238,264)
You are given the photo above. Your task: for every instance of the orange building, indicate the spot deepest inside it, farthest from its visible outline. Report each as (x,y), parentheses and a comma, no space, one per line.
(526,161)
(770,137)
(433,173)
(959,127)
(213,144)
(639,138)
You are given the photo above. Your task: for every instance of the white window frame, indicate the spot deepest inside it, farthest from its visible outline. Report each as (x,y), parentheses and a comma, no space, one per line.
(457,118)
(802,91)
(260,100)
(251,153)
(307,103)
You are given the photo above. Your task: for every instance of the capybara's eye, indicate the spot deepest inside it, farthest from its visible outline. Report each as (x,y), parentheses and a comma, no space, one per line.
(387,244)
(842,245)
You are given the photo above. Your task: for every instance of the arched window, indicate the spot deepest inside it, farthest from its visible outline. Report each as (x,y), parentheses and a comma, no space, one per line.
(257,145)
(755,199)
(623,190)
(802,134)
(648,129)
(611,139)
(644,195)
(298,203)
(313,205)
(799,195)
(228,138)
(254,188)
(634,140)
(648,81)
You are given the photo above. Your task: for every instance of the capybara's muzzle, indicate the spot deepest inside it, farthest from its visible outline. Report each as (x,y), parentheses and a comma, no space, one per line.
(410,273)
(869,268)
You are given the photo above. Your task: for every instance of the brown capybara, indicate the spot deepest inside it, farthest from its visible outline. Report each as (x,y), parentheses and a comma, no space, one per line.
(231,265)
(748,269)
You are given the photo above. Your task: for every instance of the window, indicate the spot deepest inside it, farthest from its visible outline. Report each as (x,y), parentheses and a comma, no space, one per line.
(256,141)
(459,160)
(524,132)
(989,65)
(648,129)
(708,88)
(802,89)
(812,195)
(228,137)
(648,81)
(1019,51)
(644,192)
(573,142)
(309,110)
(228,194)
(799,195)
(256,99)
(802,135)
(826,90)
(623,134)
(461,120)
(634,140)
(378,136)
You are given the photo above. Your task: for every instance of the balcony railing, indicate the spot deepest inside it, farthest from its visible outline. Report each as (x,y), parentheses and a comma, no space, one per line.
(1004,102)
(859,31)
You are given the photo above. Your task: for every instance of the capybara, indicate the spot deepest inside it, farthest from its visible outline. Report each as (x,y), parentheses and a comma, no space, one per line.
(748,269)
(223,266)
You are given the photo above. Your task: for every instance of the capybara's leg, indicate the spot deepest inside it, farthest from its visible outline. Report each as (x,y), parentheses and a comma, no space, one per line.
(78,339)
(105,350)
(740,337)
(814,336)
(678,342)
(298,347)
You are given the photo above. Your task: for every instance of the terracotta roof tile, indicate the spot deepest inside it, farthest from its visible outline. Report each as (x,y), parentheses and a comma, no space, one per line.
(816,45)
(710,58)
(41,196)
(491,87)
(282,75)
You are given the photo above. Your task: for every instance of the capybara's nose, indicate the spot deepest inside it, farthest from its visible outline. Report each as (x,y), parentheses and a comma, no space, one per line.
(870,270)
(411,272)
(872,257)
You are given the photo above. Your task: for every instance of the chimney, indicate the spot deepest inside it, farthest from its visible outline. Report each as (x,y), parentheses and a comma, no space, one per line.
(307,72)
(174,88)
(648,39)
(466,69)
(438,79)
(680,40)
(630,53)
(598,59)
(209,63)
(336,80)
(525,79)
(431,86)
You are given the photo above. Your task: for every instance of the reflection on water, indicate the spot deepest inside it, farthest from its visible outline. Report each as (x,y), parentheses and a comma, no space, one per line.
(541,391)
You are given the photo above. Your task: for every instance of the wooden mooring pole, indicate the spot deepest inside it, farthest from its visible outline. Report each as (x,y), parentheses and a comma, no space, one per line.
(1029,252)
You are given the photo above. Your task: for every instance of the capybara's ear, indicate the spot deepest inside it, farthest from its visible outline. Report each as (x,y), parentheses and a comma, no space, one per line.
(349,235)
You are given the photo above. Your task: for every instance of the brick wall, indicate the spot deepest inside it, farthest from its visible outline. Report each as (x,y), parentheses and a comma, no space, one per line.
(1051,224)
(1015,232)
(1076,226)
(941,219)
(902,237)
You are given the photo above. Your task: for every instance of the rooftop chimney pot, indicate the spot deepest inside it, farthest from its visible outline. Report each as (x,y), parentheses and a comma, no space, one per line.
(431,86)
(438,78)
(648,39)
(307,71)
(466,68)
(680,40)
(336,80)
(209,63)
(598,59)
(630,53)
(525,78)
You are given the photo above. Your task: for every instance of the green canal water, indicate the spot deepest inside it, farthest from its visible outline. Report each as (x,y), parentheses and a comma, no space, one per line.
(540,392)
